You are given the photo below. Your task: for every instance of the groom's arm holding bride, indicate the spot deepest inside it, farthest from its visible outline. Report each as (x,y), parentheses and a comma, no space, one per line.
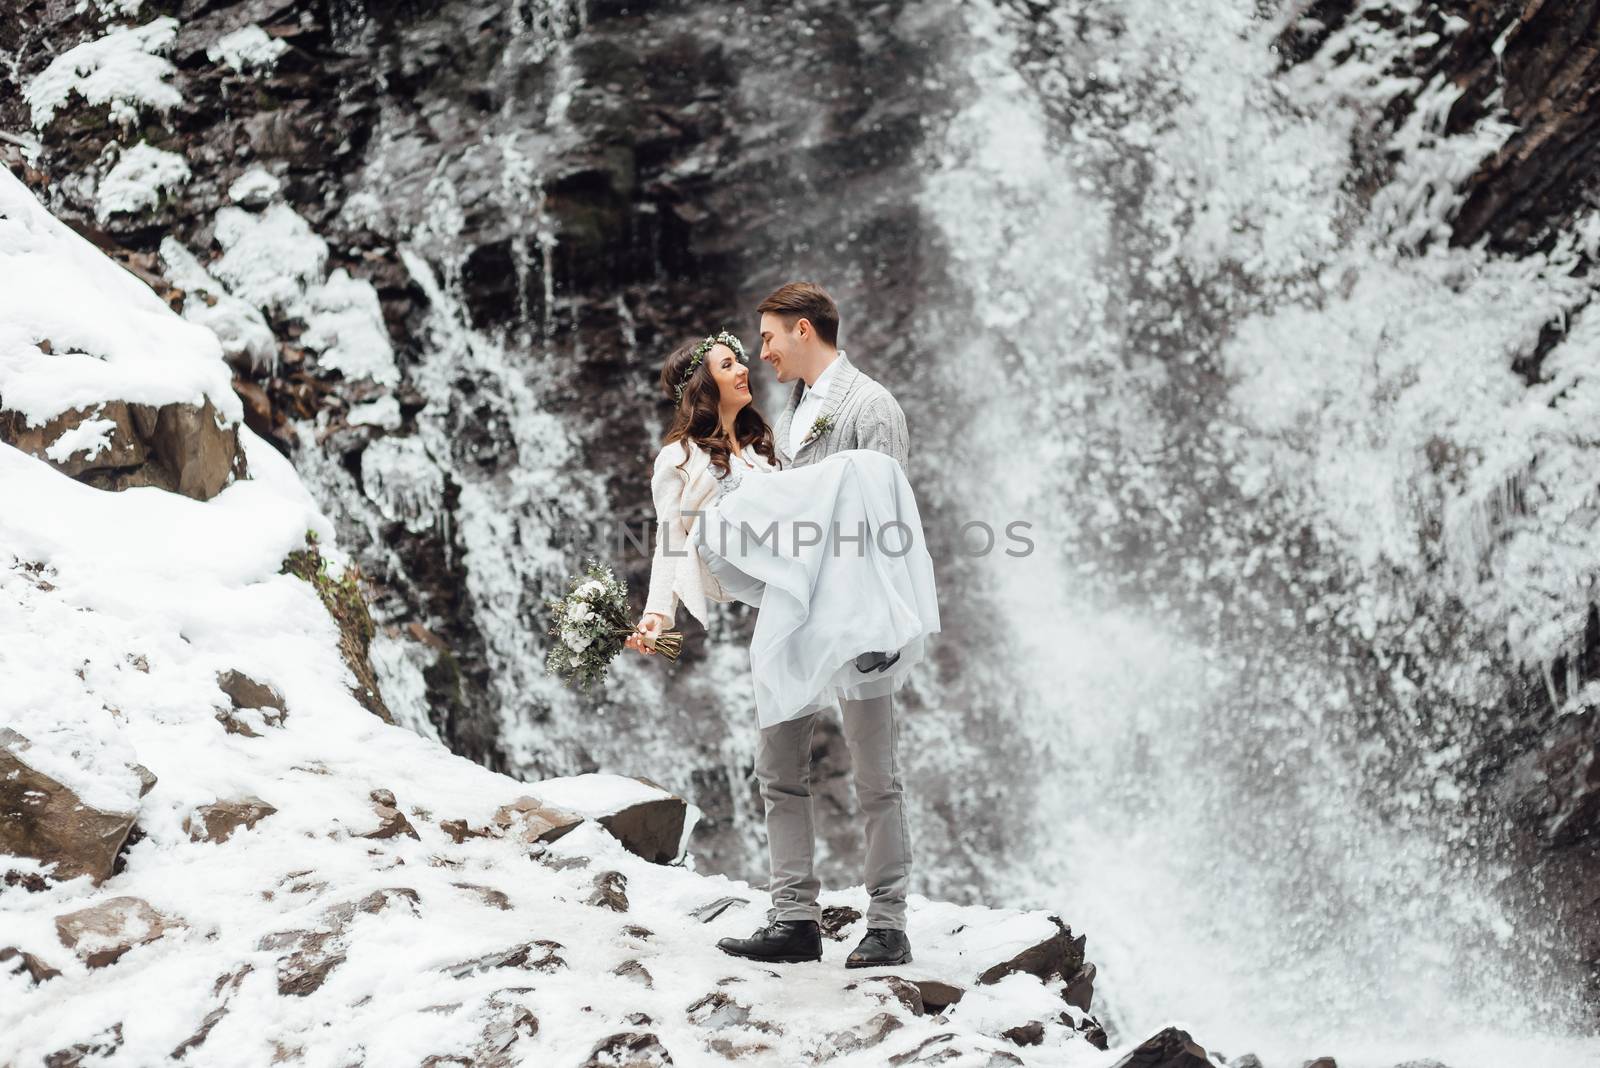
(882,428)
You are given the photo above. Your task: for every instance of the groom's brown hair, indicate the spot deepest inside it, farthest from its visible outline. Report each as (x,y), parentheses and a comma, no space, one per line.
(806,300)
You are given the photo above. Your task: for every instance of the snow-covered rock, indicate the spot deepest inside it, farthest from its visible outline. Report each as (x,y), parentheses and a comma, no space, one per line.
(43,818)
(141,177)
(126,396)
(249,47)
(125,70)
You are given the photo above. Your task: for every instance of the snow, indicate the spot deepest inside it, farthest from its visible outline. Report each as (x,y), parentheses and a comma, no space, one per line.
(123,69)
(255,186)
(268,259)
(275,262)
(247,47)
(139,179)
(383,413)
(90,437)
(75,742)
(132,349)
(344,323)
(596,795)
(115,659)
(240,327)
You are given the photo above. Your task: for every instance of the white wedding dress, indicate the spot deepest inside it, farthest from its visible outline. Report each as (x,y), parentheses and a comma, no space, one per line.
(834,557)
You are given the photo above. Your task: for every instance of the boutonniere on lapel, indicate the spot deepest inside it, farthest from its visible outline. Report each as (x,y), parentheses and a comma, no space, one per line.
(823,424)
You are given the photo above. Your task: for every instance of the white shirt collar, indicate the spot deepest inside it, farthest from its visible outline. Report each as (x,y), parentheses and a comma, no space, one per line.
(824,379)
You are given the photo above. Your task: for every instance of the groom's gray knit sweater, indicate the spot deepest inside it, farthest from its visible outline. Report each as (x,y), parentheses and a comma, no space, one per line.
(865,416)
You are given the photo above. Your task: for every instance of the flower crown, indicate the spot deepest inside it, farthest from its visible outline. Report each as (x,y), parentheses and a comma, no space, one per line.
(699,353)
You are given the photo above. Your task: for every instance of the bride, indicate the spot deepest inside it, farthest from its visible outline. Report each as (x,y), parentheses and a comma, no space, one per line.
(831,554)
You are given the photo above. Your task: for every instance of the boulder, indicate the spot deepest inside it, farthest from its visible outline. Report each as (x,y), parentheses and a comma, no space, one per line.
(530,820)
(224,988)
(884,987)
(629,1049)
(459,831)
(539,956)
(43,819)
(935,1049)
(308,957)
(650,829)
(1028,1034)
(491,897)
(1059,955)
(14,961)
(610,891)
(101,934)
(647,819)
(1079,991)
(717,1010)
(1322,1062)
(254,705)
(391,821)
(862,1036)
(836,921)
(710,911)
(506,1022)
(90,1051)
(181,448)
(1170,1048)
(632,969)
(217,821)
(937,996)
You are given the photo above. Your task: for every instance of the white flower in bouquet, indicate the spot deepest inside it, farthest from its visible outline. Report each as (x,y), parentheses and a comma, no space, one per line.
(591,626)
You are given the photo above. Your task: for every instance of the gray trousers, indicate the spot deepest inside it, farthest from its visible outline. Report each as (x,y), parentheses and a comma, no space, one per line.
(783,766)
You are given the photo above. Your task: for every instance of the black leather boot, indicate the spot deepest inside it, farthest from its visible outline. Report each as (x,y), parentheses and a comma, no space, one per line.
(780,942)
(868,662)
(882,945)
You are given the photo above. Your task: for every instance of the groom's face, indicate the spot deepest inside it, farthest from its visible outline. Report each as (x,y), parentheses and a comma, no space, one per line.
(780,345)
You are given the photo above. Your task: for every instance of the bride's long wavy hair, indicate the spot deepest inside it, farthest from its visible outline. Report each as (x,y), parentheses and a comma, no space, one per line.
(697,417)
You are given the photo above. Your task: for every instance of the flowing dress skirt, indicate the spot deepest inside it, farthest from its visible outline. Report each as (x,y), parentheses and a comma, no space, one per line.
(834,557)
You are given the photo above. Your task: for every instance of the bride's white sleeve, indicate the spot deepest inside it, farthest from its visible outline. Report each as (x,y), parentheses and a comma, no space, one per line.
(667,484)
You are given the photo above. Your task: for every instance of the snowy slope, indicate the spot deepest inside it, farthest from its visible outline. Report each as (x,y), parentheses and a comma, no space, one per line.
(298,939)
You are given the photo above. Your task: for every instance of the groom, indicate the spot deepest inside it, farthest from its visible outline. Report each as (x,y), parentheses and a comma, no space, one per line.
(832,407)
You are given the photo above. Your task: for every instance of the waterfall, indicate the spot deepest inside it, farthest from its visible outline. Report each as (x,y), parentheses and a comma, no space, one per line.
(1267,835)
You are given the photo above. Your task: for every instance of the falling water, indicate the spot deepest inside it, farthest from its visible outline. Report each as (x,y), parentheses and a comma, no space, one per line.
(1247,856)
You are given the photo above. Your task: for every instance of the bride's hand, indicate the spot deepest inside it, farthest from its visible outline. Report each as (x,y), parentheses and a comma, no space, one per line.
(649,628)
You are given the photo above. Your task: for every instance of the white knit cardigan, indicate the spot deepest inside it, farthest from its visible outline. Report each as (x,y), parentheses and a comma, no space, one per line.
(676,570)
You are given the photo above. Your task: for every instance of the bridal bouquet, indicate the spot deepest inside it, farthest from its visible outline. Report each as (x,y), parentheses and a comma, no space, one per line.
(590,625)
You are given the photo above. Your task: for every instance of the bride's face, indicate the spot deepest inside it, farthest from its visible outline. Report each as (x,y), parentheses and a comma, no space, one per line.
(731,375)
